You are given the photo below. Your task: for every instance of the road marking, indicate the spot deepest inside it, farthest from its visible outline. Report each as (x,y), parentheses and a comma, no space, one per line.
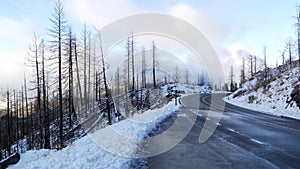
(233,130)
(182,115)
(254,140)
(274,124)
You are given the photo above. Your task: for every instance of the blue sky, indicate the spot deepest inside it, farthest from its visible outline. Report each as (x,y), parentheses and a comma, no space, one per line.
(231,26)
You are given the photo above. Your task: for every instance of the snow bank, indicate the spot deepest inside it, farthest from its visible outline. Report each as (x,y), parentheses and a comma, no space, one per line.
(110,147)
(270,99)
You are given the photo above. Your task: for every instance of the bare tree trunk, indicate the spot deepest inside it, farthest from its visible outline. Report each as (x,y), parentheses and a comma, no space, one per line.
(28,125)
(143,68)
(57,32)
(16,114)
(32,127)
(23,114)
(45,119)
(251,65)
(298,32)
(77,70)
(89,72)
(118,88)
(105,83)
(128,63)
(153,62)
(132,60)
(176,75)
(255,70)
(70,61)
(38,90)
(186,76)
(231,79)
(265,62)
(84,68)
(8,125)
(96,87)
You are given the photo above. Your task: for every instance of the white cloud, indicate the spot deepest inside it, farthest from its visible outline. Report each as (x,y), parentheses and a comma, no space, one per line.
(11,70)
(214,29)
(233,55)
(15,36)
(99,13)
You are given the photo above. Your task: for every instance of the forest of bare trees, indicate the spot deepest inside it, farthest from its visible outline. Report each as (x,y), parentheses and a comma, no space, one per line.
(69,87)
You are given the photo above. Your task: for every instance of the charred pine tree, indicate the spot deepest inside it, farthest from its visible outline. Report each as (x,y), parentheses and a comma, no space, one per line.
(176,75)
(128,63)
(84,38)
(243,77)
(288,47)
(231,77)
(251,65)
(144,82)
(153,63)
(77,71)
(298,31)
(57,32)
(255,63)
(265,63)
(9,140)
(45,111)
(132,63)
(70,77)
(186,76)
(28,124)
(89,72)
(107,94)
(33,61)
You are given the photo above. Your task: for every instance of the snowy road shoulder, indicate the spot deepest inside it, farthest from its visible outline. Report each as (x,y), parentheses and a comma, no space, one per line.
(104,148)
(270,98)
(266,108)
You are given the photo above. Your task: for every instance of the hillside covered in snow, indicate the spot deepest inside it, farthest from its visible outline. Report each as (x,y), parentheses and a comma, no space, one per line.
(104,148)
(87,153)
(278,95)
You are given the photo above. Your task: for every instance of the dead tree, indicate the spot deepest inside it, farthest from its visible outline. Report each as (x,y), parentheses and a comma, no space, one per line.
(128,62)
(28,125)
(243,77)
(57,32)
(132,63)
(186,76)
(9,140)
(153,63)
(255,63)
(265,63)
(231,77)
(89,71)
(176,75)
(298,31)
(144,83)
(77,71)
(84,68)
(251,65)
(46,120)
(105,81)
(69,65)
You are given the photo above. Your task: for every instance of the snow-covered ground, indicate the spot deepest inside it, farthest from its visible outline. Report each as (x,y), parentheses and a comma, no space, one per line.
(112,147)
(192,89)
(102,149)
(270,99)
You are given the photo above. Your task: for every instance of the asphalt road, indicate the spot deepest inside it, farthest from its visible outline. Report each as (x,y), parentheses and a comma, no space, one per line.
(242,139)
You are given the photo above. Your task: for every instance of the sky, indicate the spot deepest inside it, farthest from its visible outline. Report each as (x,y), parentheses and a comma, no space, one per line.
(235,28)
